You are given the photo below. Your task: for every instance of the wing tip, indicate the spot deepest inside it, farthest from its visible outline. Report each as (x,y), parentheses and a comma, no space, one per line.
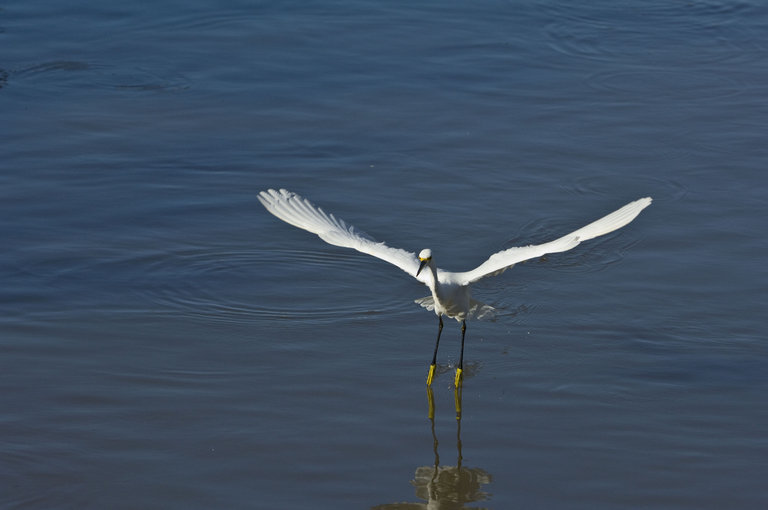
(270,197)
(640,204)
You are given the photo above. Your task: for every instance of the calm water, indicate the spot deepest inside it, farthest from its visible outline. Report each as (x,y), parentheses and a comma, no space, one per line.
(165,343)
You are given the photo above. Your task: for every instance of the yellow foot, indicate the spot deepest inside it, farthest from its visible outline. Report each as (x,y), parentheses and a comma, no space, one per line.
(457,381)
(430,375)
(431,402)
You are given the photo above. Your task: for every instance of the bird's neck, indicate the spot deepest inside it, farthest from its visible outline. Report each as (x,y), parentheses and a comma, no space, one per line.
(433,283)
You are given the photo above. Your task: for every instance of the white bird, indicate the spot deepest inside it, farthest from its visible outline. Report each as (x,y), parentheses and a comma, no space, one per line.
(450,291)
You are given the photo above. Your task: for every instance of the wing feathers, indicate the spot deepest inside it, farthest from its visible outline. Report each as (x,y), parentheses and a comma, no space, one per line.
(502,260)
(301,213)
(613,221)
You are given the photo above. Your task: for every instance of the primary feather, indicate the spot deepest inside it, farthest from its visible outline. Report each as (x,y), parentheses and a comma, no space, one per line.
(300,212)
(505,259)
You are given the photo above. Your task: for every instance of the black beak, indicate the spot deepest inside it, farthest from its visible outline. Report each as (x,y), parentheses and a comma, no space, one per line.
(421,266)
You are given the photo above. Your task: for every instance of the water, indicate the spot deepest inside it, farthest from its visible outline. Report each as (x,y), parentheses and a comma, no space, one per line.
(165,343)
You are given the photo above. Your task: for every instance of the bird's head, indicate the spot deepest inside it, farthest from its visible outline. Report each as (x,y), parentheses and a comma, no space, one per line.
(425,257)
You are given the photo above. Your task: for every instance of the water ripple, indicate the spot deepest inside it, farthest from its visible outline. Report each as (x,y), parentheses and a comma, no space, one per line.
(669,84)
(90,75)
(605,185)
(652,31)
(226,286)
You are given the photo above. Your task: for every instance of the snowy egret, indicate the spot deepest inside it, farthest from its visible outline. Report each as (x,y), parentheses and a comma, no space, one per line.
(450,291)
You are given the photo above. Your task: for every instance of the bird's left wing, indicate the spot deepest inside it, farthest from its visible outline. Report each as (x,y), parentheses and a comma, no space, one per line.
(300,212)
(498,262)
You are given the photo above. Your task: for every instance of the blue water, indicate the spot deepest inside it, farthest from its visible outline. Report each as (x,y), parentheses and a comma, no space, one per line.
(166,343)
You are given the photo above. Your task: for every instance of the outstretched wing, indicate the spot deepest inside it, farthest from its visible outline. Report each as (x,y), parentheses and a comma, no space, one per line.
(502,260)
(300,212)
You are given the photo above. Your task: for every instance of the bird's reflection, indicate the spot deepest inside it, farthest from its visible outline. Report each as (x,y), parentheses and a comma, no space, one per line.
(445,487)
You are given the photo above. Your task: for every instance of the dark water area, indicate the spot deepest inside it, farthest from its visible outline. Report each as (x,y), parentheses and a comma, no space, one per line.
(166,343)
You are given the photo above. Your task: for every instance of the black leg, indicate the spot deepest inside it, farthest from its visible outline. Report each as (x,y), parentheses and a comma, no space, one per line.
(459,370)
(437,343)
(434,356)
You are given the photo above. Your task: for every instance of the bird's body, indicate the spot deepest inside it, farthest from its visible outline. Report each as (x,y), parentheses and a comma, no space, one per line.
(449,296)
(451,299)
(450,291)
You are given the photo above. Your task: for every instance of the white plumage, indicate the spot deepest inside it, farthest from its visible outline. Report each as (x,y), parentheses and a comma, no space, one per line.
(450,290)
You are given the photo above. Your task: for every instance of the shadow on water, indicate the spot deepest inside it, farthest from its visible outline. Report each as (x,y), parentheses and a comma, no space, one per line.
(441,486)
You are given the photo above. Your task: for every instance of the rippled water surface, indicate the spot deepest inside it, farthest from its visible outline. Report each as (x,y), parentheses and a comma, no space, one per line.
(166,343)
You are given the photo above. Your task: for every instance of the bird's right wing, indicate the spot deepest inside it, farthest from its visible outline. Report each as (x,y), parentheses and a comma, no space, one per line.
(502,260)
(301,213)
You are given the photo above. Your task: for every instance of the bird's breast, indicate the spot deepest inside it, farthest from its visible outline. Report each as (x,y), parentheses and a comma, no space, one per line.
(451,300)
